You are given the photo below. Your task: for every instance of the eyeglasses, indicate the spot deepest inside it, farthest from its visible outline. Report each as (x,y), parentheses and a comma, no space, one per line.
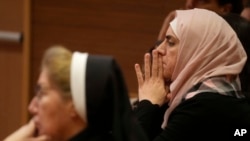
(40,91)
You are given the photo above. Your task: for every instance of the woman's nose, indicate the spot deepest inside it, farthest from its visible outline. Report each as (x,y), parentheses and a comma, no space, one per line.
(161,49)
(33,106)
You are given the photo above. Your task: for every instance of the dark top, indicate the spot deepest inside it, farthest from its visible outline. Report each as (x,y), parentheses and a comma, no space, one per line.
(92,135)
(206,116)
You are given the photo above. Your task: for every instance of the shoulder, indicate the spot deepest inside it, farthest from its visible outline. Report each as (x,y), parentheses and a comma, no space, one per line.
(209,115)
(215,102)
(213,109)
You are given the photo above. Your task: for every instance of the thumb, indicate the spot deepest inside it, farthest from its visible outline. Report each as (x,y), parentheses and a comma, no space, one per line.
(30,128)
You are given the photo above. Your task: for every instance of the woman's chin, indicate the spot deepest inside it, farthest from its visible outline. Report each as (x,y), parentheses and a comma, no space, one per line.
(168,82)
(40,131)
(167,79)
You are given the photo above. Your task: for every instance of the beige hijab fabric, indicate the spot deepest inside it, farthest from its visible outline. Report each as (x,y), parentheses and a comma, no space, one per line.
(208,47)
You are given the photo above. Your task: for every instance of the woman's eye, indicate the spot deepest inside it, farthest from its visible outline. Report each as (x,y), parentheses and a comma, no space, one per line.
(171,43)
(40,94)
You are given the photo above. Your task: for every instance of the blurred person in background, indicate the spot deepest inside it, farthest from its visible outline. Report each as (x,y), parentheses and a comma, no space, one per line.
(79,96)
(219,6)
(246,11)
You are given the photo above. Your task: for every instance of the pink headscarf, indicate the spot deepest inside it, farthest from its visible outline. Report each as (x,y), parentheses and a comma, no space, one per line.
(208,47)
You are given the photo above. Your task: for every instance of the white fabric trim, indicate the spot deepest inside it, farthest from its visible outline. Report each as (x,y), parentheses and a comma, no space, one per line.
(173,25)
(77,82)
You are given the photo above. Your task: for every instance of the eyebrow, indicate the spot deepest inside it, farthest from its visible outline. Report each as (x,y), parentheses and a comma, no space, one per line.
(39,87)
(168,37)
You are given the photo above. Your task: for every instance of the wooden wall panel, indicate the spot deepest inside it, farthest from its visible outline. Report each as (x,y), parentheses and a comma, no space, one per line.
(11,15)
(13,102)
(122,28)
(10,87)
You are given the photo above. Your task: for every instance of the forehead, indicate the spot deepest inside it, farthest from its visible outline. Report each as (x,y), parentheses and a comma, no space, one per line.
(170,33)
(44,78)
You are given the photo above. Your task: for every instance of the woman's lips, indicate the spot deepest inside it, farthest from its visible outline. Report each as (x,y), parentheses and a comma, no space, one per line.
(37,126)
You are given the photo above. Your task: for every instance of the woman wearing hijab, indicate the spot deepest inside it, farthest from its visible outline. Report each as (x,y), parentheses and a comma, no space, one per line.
(79,97)
(191,91)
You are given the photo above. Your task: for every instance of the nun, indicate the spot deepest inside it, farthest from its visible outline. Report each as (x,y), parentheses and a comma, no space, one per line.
(80,96)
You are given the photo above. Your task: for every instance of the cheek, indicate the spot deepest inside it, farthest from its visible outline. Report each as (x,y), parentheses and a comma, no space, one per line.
(50,115)
(46,115)
(168,70)
(169,66)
